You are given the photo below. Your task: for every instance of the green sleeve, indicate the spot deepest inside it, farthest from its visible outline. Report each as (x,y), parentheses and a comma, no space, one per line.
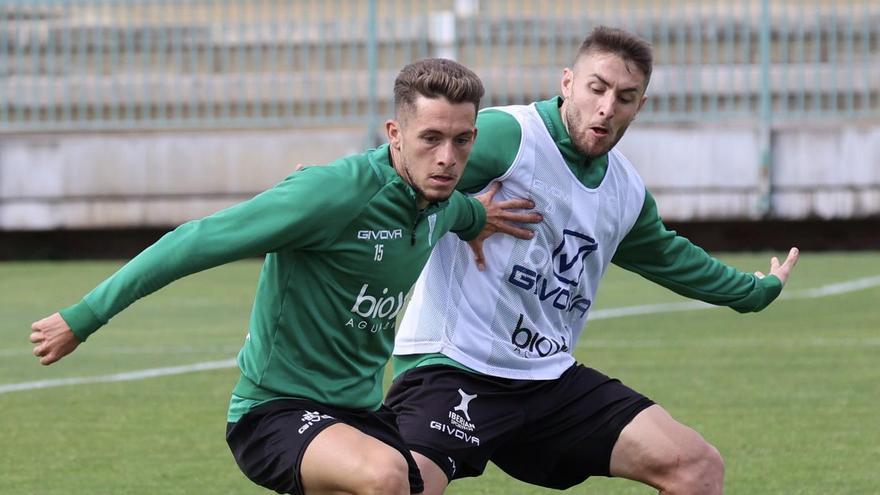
(668,259)
(289,215)
(470,216)
(496,147)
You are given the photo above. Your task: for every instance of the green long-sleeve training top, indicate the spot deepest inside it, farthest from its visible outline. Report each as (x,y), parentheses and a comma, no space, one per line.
(345,242)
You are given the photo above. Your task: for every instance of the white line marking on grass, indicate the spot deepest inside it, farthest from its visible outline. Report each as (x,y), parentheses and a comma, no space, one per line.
(647,309)
(824,291)
(120,377)
(843,342)
(835,289)
(140,351)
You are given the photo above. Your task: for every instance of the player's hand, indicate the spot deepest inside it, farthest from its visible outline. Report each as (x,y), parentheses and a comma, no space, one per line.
(784,270)
(52,338)
(500,217)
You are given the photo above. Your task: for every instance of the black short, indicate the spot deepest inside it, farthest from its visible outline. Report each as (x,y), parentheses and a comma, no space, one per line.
(551,433)
(268,442)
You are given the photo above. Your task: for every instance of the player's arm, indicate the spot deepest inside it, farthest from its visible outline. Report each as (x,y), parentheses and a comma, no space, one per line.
(286,216)
(496,148)
(673,261)
(498,140)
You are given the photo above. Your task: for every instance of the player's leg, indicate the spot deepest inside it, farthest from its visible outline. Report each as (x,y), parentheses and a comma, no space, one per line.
(657,450)
(452,420)
(434,477)
(342,459)
(574,422)
(298,446)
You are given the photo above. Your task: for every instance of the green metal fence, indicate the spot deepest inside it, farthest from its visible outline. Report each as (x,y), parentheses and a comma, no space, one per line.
(159,64)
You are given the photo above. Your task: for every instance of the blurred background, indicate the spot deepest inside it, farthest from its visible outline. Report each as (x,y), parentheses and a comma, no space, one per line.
(120,119)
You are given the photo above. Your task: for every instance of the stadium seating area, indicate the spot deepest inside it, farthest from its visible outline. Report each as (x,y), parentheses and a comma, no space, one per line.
(93,64)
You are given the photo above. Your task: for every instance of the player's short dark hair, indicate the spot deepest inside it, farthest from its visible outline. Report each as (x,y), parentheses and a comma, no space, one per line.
(433,78)
(628,46)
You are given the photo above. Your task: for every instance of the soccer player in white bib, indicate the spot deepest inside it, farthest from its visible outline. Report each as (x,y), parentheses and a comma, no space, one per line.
(483,357)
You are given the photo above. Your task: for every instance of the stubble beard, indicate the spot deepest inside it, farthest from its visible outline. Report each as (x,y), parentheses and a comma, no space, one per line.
(420,193)
(574,122)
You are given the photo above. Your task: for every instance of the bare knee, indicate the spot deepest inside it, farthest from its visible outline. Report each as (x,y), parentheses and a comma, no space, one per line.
(342,459)
(384,474)
(700,470)
(693,469)
(661,452)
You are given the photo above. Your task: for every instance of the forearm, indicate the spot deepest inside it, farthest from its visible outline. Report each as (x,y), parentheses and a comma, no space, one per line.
(245,230)
(670,260)
(188,249)
(288,216)
(471,217)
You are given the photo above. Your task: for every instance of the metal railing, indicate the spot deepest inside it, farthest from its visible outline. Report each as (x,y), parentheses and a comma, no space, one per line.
(160,64)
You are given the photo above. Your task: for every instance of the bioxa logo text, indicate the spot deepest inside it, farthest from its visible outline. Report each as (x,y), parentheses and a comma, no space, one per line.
(380,235)
(568,265)
(530,341)
(377,307)
(373,307)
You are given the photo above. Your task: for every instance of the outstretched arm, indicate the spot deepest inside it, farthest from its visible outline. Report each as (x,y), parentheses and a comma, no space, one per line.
(281,218)
(501,216)
(668,259)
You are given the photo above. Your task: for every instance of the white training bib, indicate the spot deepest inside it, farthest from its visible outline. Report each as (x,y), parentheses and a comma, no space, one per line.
(522,316)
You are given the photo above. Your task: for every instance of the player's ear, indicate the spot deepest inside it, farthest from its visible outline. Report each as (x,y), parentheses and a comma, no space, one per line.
(642,103)
(565,84)
(392,130)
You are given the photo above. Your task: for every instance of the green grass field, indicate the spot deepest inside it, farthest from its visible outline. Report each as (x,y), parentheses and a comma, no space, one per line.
(790,395)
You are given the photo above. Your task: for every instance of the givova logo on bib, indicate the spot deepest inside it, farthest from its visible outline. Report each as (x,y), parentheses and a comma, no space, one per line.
(567,265)
(569,256)
(382,307)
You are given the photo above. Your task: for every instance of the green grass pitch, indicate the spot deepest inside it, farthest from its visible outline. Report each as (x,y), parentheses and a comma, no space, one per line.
(790,396)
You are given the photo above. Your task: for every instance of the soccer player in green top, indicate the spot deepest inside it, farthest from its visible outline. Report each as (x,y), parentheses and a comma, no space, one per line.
(345,242)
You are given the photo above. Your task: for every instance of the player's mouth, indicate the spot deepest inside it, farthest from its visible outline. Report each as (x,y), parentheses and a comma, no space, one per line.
(442,180)
(600,131)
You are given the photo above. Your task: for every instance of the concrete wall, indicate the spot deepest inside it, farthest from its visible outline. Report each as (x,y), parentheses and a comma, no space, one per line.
(87,181)
(706,173)
(71,181)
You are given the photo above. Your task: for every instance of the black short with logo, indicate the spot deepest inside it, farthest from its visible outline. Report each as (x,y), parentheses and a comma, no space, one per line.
(551,433)
(268,442)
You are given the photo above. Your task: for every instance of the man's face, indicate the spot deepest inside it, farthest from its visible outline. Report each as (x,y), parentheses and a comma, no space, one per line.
(602,95)
(430,145)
